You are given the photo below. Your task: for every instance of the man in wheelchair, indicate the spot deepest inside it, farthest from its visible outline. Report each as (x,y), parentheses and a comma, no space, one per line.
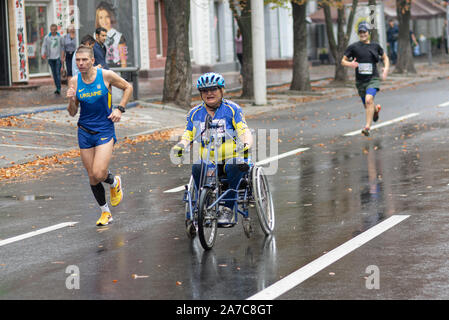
(236,139)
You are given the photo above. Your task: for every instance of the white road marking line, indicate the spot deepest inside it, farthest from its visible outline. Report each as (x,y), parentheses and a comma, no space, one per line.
(31,147)
(38,132)
(446,104)
(383,124)
(177,189)
(292,280)
(264,161)
(37,232)
(280,156)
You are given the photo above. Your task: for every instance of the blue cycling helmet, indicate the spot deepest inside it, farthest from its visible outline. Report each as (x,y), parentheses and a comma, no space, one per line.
(210,79)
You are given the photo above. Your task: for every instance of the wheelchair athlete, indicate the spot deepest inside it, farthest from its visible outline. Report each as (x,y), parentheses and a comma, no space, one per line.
(232,129)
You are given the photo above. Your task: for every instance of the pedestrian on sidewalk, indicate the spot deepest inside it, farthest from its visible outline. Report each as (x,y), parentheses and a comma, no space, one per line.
(88,41)
(91,90)
(52,51)
(68,49)
(392,40)
(365,56)
(414,44)
(100,48)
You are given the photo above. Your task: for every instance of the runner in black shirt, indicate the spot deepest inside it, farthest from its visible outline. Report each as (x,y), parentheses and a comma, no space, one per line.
(365,57)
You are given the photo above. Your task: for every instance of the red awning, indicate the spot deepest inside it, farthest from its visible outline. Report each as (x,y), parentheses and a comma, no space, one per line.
(421,9)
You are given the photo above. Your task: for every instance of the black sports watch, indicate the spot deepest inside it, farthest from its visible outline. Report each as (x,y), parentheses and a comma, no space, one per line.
(121,108)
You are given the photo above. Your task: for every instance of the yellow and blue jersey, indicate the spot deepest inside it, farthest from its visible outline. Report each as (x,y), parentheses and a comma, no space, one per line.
(96,104)
(230,121)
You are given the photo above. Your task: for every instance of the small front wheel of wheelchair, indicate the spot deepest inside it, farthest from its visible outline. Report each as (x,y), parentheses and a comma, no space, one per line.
(190,229)
(247,227)
(207,219)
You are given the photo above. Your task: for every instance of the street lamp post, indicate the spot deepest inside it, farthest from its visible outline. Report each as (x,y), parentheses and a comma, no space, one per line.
(258,36)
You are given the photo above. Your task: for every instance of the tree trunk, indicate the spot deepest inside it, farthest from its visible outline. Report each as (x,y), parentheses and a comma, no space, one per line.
(338,47)
(374,33)
(301,75)
(405,62)
(178,69)
(242,13)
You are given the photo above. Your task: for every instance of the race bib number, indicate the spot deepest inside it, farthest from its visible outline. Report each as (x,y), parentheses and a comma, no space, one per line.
(366,68)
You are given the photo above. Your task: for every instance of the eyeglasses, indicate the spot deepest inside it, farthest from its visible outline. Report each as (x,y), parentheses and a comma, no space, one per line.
(212,89)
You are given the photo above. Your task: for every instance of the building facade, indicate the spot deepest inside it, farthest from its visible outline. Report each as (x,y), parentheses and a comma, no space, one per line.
(140,31)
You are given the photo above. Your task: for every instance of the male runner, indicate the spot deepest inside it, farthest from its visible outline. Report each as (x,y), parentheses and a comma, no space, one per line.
(365,55)
(91,89)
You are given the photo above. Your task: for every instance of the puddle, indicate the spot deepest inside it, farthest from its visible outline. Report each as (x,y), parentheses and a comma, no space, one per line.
(30,197)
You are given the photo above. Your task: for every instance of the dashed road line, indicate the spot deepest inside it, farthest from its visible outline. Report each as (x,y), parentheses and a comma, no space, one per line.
(292,280)
(37,232)
(262,162)
(383,124)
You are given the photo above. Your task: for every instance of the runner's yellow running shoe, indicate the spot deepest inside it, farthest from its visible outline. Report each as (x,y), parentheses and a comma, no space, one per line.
(116,192)
(105,219)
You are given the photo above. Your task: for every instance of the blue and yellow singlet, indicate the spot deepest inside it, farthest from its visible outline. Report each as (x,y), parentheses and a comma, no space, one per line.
(96,104)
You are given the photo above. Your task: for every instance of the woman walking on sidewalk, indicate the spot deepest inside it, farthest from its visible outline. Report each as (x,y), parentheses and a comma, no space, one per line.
(365,55)
(91,89)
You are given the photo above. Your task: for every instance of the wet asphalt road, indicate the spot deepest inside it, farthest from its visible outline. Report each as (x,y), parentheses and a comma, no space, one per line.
(323,197)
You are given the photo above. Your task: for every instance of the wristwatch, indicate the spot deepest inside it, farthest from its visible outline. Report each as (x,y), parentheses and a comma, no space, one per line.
(121,108)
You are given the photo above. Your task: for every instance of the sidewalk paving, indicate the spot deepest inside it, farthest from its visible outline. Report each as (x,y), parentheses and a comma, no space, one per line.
(45,129)
(39,94)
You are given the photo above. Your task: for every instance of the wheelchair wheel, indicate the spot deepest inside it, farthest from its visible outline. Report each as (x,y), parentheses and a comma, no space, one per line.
(207,219)
(263,199)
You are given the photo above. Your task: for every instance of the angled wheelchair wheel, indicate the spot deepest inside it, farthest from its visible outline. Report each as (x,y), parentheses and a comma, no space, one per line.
(263,199)
(207,219)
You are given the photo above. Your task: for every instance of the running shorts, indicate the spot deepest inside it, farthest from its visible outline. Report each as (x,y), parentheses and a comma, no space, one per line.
(88,140)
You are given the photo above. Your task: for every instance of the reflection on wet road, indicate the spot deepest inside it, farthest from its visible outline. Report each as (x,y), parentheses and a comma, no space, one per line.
(337,189)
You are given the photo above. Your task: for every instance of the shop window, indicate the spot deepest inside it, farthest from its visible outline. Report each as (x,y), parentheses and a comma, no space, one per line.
(37,28)
(158,20)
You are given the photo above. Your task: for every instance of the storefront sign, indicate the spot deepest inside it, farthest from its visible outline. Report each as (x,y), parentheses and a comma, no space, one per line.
(21,47)
(62,12)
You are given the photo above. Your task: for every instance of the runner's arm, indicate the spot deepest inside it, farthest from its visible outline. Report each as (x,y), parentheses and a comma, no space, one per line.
(386,62)
(72,108)
(346,63)
(115,80)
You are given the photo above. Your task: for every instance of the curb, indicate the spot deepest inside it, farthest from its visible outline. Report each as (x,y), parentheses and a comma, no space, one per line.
(248,111)
(147,102)
(144,102)
(50,109)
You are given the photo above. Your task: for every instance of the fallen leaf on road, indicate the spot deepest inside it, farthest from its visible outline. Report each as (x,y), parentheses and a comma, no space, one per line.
(10,122)
(135,276)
